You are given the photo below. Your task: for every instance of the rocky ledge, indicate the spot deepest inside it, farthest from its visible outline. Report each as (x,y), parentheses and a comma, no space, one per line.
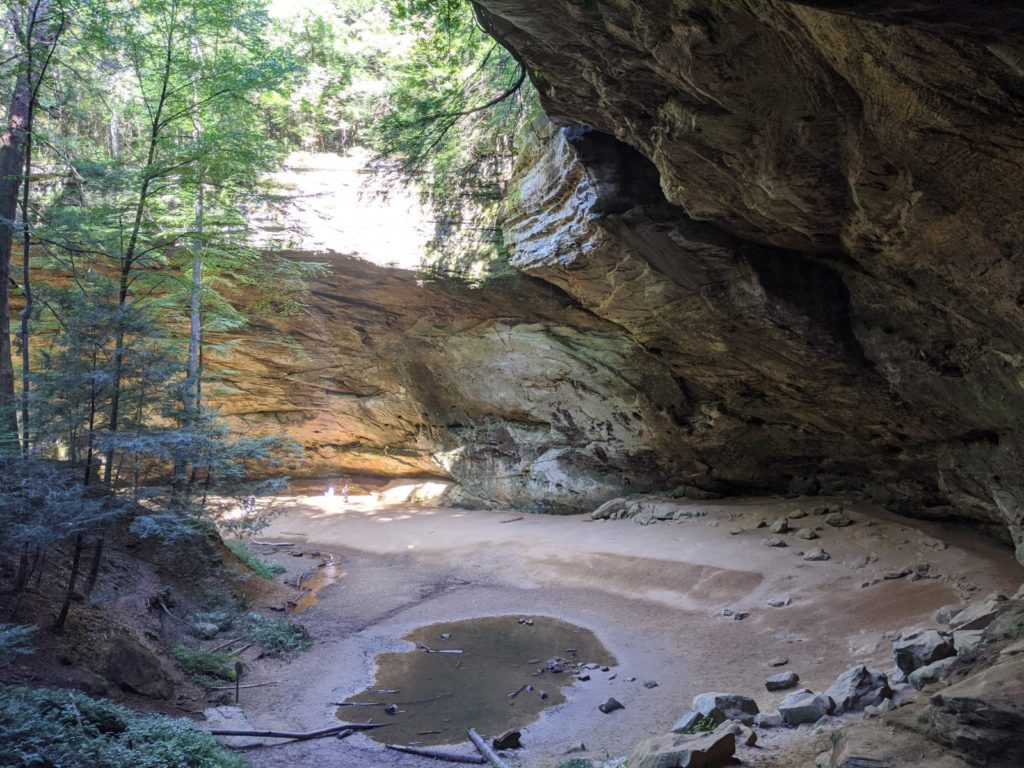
(809,213)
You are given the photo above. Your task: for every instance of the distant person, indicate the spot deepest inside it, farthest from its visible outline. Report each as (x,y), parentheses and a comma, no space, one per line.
(344,494)
(329,491)
(250,505)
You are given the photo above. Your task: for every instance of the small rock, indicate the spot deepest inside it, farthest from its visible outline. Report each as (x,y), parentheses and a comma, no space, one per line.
(899,573)
(206,629)
(769,720)
(736,531)
(630,679)
(806,533)
(779,662)
(797,514)
(583,677)
(775,543)
(877,710)
(610,706)
(782,681)
(780,526)
(391,709)
(543,695)
(817,554)
(743,734)
(508,740)
(650,684)
(932,673)
(446,636)
(838,520)
(762,524)
(946,613)
(804,706)
(779,602)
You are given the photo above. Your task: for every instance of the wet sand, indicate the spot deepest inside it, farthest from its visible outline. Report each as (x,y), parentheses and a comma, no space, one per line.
(653,595)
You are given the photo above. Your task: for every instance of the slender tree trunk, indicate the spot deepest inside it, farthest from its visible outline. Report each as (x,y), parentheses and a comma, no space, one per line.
(12,160)
(69,594)
(97,559)
(26,283)
(130,254)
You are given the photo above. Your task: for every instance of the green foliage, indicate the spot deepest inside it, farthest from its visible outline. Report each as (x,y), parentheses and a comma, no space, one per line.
(277,637)
(47,727)
(205,667)
(260,567)
(14,641)
(457,105)
(705,725)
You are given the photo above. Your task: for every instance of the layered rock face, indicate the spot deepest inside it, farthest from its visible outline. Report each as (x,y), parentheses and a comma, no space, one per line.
(515,393)
(810,213)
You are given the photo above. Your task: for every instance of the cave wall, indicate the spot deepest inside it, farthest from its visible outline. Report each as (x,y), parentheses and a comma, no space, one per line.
(810,212)
(514,392)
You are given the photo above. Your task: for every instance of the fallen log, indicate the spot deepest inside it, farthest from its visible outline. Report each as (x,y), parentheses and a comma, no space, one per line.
(298,735)
(517,692)
(485,749)
(274,543)
(511,520)
(438,754)
(248,685)
(426,649)
(222,646)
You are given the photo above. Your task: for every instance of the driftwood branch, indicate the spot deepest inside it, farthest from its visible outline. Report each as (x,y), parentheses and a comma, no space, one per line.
(249,685)
(485,749)
(511,520)
(299,735)
(438,754)
(222,646)
(425,649)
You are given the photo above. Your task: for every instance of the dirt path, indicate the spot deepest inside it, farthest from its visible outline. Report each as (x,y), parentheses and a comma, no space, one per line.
(652,594)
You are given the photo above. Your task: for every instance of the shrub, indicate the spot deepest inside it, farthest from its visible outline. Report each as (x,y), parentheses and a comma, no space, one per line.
(49,727)
(14,639)
(277,637)
(704,725)
(260,567)
(208,668)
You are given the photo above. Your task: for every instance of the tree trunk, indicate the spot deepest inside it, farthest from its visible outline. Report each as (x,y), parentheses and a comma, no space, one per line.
(69,594)
(12,161)
(97,560)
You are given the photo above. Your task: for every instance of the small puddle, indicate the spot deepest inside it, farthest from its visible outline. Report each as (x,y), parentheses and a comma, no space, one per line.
(312,581)
(501,680)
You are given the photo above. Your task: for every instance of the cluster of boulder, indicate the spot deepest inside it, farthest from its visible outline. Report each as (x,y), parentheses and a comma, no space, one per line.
(981,715)
(646,510)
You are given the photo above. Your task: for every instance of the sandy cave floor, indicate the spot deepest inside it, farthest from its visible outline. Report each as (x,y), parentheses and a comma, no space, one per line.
(653,595)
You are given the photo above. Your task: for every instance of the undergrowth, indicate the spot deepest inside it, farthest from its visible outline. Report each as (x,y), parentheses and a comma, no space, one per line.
(49,727)
(704,725)
(260,567)
(277,637)
(208,668)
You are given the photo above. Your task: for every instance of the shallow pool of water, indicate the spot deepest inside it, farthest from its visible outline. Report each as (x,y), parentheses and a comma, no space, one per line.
(439,695)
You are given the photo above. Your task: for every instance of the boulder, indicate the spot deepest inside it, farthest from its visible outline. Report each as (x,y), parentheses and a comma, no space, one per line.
(947,613)
(775,542)
(980,614)
(780,526)
(726,706)
(983,714)
(839,520)
(805,706)
(610,706)
(708,750)
(918,648)
(857,688)
(610,509)
(769,720)
(744,734)
(965,639)
(817,554)
(138,670)
(779,602)
(932,673)
(782,681)
(873,745)
(806,533)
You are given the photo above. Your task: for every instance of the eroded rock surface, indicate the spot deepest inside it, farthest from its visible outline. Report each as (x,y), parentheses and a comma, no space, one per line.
(516,393)
(809,212)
